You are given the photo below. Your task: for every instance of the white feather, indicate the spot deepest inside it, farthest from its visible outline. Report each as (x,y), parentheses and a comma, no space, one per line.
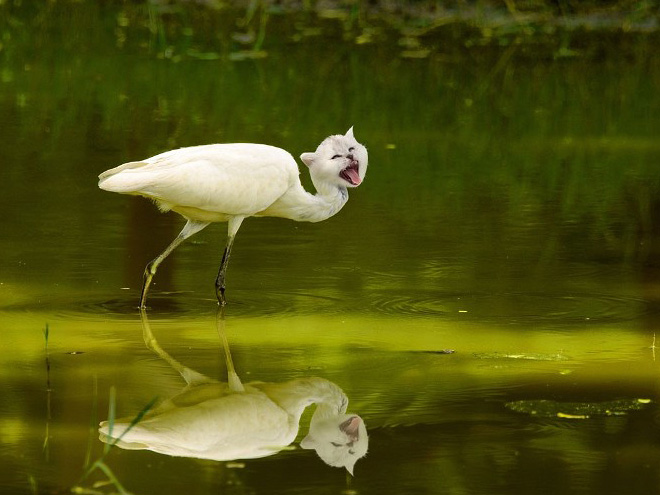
(227,179)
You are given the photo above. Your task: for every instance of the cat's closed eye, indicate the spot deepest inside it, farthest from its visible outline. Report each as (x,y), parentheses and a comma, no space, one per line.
(336,156)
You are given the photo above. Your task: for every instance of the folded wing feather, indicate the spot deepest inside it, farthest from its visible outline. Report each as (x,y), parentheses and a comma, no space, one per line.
(234,179)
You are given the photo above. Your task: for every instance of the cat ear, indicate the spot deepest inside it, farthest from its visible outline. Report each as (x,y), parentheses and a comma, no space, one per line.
(308,158)
(349,133)
(308,442)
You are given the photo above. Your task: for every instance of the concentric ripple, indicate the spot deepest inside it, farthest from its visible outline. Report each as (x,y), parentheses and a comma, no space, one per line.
(512,307)
(181,304)
(509,307)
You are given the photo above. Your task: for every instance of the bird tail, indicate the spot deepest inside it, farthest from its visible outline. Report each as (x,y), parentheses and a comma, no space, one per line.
(119,430)
(120,179)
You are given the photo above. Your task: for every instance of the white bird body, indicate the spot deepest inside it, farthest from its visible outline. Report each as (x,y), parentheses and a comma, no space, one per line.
(209,183)
(212,421)
(219,424)
(229,182)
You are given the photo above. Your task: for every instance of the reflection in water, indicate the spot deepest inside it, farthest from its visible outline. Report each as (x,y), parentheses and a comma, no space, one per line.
(226,421)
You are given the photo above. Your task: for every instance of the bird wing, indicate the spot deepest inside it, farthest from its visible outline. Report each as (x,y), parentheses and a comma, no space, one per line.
(233,179)
(237,425)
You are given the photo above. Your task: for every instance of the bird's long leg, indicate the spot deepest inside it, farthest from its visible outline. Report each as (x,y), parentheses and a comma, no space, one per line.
(232,227)
(191,227)
(191,376)
(232,378)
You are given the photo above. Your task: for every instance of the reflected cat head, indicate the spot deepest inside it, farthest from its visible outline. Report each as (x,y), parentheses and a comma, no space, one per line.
(338,440)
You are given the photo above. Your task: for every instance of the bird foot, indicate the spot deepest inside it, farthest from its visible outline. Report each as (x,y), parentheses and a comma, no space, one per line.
(220,294)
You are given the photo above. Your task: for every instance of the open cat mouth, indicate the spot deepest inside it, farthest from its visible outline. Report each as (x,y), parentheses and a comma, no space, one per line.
(351,174)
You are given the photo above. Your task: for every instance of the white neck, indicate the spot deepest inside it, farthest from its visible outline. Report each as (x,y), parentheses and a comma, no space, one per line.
(301,206)
(296,395)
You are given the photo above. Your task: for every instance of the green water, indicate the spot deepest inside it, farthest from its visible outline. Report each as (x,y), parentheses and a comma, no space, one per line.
(510,214)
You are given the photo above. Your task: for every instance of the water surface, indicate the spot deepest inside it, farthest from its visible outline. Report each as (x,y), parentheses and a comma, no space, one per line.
(509,215)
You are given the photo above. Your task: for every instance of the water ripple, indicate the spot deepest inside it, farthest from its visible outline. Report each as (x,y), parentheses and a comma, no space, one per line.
(513,307)
(181,304)
(510,307)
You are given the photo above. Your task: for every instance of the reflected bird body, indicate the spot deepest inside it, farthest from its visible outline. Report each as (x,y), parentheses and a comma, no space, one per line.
(230,182)
(210,420)
(231,420)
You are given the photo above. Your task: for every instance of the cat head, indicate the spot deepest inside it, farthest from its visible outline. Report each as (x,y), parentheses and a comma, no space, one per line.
(338,440)
(338,161)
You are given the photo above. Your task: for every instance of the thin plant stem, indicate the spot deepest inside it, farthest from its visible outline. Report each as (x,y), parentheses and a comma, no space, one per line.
(113,479)
(261,35)
(93,421)
(45,447)
(111,419)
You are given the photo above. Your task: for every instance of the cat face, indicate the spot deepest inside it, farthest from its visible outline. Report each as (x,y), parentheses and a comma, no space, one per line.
(338,161)
(338,440)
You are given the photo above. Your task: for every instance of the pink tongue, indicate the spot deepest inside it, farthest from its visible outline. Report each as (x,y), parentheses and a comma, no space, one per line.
(353,176)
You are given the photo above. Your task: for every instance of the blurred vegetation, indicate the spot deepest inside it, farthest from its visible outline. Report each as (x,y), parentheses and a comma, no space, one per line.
(490,125)
(208,29)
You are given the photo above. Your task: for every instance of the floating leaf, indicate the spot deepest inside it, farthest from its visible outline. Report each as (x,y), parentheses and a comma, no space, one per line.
(333,14)
(572,416)
(247,55)
(577,410)
(307,31)
(409,42)
(203,55)
(522,355)
(415,53)
(364,38)
(244,38)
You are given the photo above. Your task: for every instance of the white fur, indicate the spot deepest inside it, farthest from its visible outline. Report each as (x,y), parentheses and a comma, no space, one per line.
(333,443)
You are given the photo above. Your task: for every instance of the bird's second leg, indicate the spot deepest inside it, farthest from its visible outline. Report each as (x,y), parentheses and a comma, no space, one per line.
(232,227)
(191,227)
(232,378)
(220,280)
